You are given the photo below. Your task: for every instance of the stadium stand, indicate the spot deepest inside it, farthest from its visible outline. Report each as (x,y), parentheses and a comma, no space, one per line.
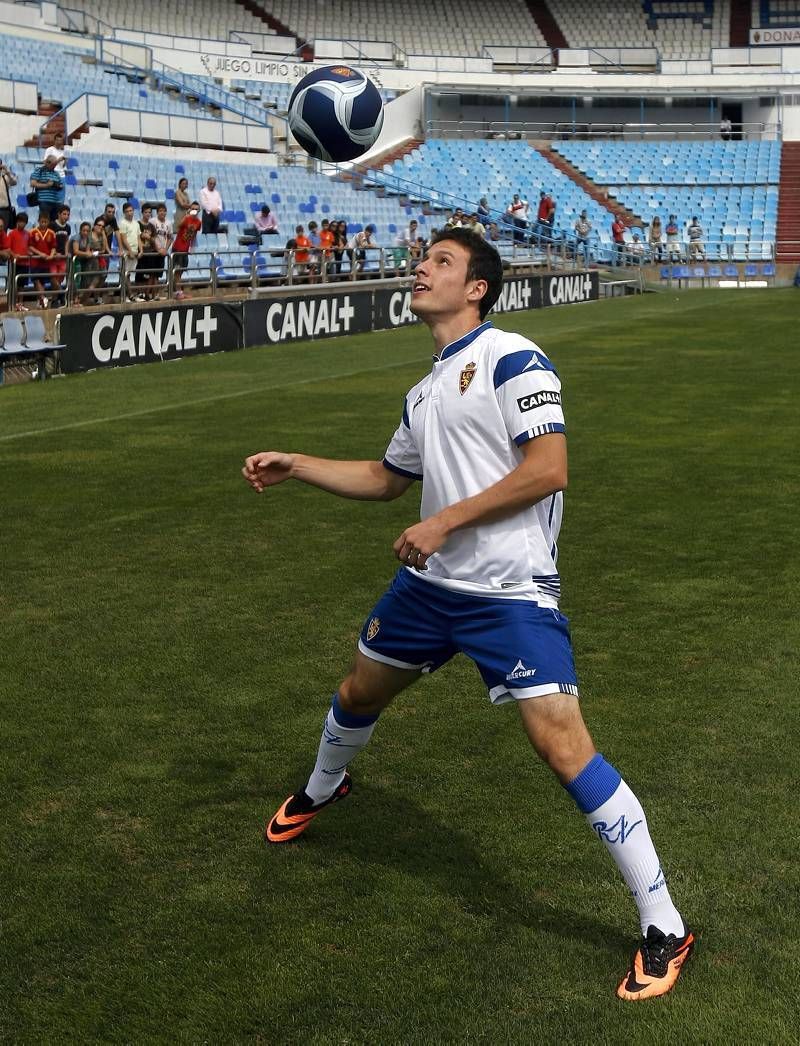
(731,186)
(191,18)
(688,29)
(63,74)
(417,27)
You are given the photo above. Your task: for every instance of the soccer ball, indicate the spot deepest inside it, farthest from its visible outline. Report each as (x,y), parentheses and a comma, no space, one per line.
(336,113)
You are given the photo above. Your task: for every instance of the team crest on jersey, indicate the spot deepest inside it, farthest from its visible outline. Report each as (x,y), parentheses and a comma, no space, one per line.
(465,380)
(373,628)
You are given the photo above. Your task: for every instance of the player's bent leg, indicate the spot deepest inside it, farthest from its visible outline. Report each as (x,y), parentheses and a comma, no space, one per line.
(555,727)
(367,689)
(370,685)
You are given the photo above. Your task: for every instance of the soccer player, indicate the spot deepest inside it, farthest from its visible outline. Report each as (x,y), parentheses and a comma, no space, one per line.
(484,432)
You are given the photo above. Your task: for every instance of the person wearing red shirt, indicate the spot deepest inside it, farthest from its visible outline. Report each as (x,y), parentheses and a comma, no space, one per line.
(182,244)
(326,239)
(618,234)
(18,244)
(42,246)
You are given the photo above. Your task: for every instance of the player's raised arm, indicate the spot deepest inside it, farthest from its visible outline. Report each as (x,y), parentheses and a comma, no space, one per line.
(361,480)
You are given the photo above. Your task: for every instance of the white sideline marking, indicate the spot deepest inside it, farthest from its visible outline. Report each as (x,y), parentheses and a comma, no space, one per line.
(205,399)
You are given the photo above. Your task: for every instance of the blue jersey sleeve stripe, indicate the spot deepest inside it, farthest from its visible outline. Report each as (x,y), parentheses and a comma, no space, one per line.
(540,430)
(400,472)
(406,422)
(515,363)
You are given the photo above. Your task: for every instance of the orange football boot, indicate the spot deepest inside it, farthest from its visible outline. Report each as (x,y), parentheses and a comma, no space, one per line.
(656,965)
(297,813)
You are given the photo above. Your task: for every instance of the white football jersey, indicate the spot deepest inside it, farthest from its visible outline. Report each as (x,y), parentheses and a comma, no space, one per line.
(462,427)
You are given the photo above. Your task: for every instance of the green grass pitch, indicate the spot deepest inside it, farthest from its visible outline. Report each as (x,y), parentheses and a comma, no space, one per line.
(170,642)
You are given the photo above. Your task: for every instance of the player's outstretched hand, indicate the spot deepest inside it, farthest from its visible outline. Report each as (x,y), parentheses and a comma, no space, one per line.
(267,468)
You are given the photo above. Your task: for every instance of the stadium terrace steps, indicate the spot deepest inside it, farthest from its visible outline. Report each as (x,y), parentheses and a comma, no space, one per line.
(629,217)
(550,30)
(276,26)
(397,152)
(788,229)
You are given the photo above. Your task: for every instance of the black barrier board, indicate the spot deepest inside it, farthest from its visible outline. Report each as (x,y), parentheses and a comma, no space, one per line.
(569,288)
(120,339)
(519,292)
(392,309)
(273,320)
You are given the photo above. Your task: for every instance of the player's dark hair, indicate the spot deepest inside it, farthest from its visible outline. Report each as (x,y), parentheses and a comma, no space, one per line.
(484,263)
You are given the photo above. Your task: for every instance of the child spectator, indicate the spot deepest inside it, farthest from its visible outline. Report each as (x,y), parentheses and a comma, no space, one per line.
(80,250)
(147,263)
(62,231)
(42,246)
(18,242)
(183,243)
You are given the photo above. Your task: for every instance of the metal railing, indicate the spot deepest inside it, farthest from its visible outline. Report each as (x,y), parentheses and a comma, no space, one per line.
(577,129)
(108,279)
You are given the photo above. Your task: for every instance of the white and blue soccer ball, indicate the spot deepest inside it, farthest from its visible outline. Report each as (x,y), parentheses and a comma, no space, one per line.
(336,113)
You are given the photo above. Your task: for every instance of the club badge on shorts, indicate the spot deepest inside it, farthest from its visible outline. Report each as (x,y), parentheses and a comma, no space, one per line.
(373,628)
(465,380)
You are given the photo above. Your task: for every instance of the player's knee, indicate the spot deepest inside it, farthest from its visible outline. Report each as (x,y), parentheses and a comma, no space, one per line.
(358,697)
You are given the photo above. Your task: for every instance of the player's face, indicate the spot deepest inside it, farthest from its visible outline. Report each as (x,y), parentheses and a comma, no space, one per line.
(440,286)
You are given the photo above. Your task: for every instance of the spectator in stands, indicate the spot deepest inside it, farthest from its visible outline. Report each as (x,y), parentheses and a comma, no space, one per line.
(59,152)
(162,241)
(326,243)
(339,246)
(636,250)
(147,264)
(656,240)
(185,236)
(543,215)
(266,223)
(477,226)
(314,255)
(618,236)
(98,241)
(5,250)
(494,233)
(484,214)
(582,229)
(359,244)
(42,246)
(406,239)
(725,129)
(110,226)
(301,252)
(49,187)
(7,182)
(147,218)
(129,233)
(63,231)
(517,214)
(673,239)
(80,250)
(182,202)
(211,203)
(696,247)
(18,241)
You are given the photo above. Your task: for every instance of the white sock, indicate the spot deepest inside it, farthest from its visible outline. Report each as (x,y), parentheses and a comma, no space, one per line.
(622,826)
(614,812)
(343,737)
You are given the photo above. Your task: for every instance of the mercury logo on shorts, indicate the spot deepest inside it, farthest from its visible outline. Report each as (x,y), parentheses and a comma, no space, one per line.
(521,672)
(373,628)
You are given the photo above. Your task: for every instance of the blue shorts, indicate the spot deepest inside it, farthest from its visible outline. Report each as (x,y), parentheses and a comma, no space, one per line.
(521,649)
